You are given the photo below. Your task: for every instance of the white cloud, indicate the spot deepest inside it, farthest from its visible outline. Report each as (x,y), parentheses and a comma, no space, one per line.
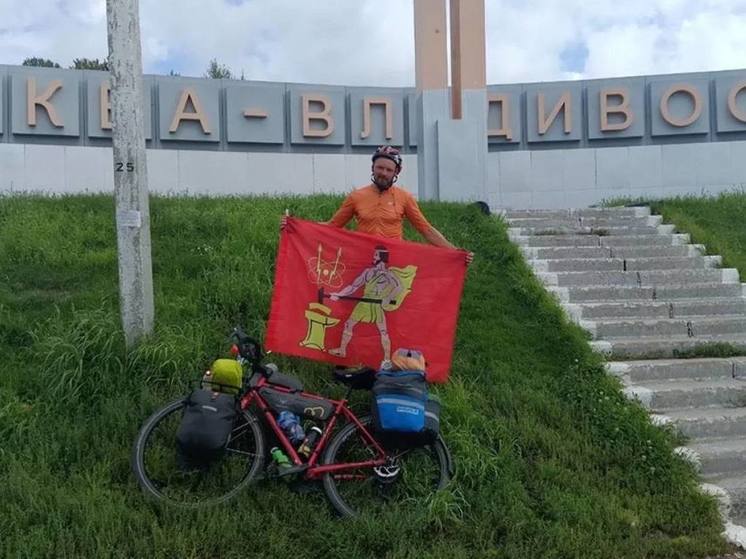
(370,42)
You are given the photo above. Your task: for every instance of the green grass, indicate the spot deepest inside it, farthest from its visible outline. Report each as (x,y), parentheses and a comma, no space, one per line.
(717,222)
(552,461)
(714,221)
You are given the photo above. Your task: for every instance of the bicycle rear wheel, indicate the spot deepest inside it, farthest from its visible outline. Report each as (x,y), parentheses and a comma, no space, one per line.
(409,478)
(163,476)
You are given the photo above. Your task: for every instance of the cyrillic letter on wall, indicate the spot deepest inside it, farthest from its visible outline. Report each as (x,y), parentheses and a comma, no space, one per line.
(696,99)
(621,108)
(105,105)
(32,100)
(732,107)
(504,130)
(368,102)
(563,104)
(188,96)
(323,115)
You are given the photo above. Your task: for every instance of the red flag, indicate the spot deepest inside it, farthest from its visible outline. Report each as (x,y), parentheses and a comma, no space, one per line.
(352,298)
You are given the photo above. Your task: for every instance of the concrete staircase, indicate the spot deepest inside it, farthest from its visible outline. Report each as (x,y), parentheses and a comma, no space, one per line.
(649,298)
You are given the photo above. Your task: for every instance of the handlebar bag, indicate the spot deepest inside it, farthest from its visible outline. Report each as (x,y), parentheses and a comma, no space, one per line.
(205,427)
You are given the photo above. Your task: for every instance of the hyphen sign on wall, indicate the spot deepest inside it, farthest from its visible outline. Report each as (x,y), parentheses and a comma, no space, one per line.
(54,103)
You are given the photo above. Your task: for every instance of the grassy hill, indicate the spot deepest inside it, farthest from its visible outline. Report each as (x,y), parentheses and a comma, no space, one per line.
(551,460)
(715,221)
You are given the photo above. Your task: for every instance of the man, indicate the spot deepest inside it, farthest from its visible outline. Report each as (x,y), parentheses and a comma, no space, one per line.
(380,286)
(380,207)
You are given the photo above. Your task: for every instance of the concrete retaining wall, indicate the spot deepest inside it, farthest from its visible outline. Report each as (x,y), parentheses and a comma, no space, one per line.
(516,179)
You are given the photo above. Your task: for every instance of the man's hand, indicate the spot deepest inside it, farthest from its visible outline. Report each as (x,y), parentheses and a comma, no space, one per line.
(284,220)
(469,257)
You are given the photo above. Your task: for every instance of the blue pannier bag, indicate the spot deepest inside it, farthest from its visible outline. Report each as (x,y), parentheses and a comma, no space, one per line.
(399,399)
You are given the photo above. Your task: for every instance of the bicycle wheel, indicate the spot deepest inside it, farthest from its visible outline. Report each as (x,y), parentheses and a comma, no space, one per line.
(163,476)
(409,477)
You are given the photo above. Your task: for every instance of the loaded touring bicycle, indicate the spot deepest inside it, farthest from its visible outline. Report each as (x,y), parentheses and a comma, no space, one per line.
(364,463)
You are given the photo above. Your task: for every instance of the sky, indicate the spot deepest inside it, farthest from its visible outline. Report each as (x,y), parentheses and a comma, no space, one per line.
(371,42)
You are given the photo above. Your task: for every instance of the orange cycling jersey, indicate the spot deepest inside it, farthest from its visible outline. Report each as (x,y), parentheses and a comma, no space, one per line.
(381,213)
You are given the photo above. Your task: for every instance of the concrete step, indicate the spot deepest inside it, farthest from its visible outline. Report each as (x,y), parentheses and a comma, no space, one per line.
(556,253)
(714,422)
(664,395)
(624,264)
(720,456)
(665,293)
(597,222)
(544,241)
(637,211)
(639,278)
(734,485)
(665,347)
(605,231)
(654,370)
(684,308)
(658,327)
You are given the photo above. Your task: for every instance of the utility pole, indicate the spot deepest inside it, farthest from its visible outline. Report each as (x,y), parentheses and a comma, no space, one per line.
(130,169)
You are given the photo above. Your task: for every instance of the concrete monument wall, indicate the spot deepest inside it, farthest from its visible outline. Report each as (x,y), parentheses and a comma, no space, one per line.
(561,144)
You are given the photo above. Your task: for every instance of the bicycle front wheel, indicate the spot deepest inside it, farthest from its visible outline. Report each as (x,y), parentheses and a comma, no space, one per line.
(162,475)
(408,479)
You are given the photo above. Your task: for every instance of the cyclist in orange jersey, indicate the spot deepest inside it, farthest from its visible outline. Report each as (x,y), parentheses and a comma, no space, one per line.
(380,207)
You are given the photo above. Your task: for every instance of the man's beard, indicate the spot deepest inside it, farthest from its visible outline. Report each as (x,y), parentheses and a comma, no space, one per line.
(382,183)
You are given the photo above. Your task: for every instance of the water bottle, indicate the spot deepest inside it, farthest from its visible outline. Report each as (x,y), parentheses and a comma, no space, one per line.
(290,423)
(310,441)
(282,461)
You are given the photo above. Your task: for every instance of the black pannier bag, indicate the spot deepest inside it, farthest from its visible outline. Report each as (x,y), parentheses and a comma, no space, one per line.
(403,413)
(301,405)
(205,428)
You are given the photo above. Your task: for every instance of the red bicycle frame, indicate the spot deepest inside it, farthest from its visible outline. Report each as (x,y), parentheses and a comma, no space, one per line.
(313,470)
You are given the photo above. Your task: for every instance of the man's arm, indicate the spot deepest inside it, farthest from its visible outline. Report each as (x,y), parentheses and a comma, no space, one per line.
(431,234)
(344,214)
(435,237)
(340,218)
(354,286)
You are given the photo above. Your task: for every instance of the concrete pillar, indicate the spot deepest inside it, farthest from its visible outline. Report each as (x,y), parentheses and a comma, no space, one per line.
(452,134)
(130,170)
(463,141)
(432,104)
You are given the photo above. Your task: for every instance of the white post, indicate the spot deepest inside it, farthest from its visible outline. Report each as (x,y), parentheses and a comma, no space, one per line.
(130,169)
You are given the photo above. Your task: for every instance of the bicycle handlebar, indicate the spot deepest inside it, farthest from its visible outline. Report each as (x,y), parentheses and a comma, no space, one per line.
(248,347)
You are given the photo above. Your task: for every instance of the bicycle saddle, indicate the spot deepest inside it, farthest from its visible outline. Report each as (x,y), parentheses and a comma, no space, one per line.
(361,379)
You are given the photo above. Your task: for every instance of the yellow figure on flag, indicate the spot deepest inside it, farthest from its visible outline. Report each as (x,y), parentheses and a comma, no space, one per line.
(384,289)
(319,320)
